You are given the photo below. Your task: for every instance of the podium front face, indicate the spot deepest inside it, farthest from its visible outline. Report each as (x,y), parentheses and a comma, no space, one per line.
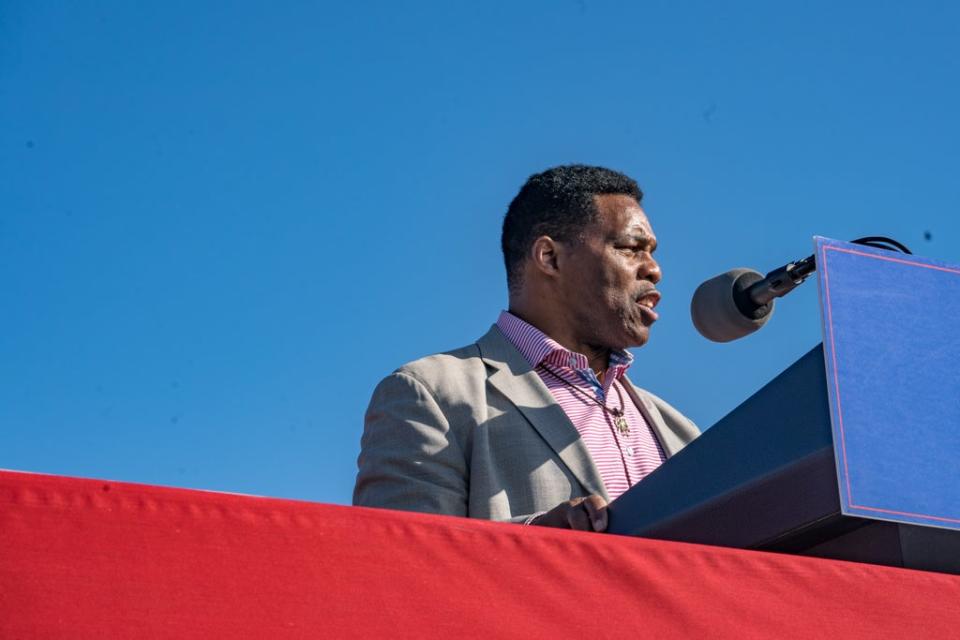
(892,353)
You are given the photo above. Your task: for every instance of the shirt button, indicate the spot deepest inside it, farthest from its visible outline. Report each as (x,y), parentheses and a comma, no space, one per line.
(629,452)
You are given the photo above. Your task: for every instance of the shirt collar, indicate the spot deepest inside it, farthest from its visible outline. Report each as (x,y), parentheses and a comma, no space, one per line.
(536,347)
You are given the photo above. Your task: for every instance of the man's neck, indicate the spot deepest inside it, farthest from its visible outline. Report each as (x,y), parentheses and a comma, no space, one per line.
(597,357)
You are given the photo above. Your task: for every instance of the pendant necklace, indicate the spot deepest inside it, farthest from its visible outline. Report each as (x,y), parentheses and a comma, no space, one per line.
(619,420)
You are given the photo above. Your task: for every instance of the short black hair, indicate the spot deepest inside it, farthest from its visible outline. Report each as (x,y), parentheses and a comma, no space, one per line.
(559,203)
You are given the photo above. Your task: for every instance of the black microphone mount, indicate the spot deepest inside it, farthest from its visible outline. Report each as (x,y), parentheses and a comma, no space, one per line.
(758,295)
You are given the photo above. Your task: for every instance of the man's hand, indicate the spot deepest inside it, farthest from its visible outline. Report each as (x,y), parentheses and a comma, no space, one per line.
(582,514)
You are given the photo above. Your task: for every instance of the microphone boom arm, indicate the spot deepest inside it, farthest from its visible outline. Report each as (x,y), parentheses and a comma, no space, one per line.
(782,281)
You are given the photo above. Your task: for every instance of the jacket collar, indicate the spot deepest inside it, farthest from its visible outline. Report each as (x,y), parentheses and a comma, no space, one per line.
(511,375)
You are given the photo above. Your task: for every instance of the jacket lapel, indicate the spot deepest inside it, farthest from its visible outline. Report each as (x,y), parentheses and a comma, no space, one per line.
(512,376)
(669,440)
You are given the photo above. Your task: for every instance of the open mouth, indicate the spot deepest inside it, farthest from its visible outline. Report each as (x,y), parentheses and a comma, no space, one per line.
(647,301)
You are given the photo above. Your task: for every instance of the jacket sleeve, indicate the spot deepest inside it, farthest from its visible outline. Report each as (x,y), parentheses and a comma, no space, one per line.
(410,458)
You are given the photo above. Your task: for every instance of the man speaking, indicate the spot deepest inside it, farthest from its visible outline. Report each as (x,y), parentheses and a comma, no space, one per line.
(537,421)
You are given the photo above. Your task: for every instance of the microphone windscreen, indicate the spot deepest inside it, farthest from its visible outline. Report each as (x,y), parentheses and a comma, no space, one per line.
(714,308)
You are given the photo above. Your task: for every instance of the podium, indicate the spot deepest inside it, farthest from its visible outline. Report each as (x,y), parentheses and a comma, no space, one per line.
(853,452)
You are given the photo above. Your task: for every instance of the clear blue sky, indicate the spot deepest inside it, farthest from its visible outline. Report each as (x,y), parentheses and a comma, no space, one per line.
(222,222)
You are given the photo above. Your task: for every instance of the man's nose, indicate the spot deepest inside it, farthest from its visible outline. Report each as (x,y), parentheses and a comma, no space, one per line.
(650,270)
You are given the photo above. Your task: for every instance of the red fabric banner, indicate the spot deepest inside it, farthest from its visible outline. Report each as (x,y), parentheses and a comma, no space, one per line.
(93,559)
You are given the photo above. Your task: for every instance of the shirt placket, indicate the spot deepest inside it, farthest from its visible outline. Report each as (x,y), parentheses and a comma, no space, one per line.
(603,393)
(606,395)
(624,440)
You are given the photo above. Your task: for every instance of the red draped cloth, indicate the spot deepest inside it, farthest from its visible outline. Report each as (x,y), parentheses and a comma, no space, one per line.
(93,559)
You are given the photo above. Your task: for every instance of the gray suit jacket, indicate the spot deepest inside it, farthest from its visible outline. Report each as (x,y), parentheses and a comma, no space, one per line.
(475,432)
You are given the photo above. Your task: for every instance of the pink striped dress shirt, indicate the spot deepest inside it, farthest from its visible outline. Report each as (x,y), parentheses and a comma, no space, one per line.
(623,457)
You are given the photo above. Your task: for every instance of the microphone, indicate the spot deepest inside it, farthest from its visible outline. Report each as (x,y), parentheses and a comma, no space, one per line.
(740,301)
(737,303)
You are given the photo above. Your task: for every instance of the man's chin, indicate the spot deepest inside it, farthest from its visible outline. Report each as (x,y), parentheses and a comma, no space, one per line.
(636,338)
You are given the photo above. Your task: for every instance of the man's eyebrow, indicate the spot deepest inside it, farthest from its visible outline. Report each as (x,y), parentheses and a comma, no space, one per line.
(640,237)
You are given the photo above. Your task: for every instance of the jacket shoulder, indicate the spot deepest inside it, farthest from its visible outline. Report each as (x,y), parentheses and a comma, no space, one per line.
(440,370)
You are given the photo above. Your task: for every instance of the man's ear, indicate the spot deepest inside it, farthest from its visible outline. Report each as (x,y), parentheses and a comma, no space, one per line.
(545,255)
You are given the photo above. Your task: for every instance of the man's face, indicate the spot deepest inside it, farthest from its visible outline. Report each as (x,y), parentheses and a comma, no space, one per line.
(608,287)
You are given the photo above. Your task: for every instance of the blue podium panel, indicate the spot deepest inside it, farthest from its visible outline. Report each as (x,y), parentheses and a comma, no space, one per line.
(892,353)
